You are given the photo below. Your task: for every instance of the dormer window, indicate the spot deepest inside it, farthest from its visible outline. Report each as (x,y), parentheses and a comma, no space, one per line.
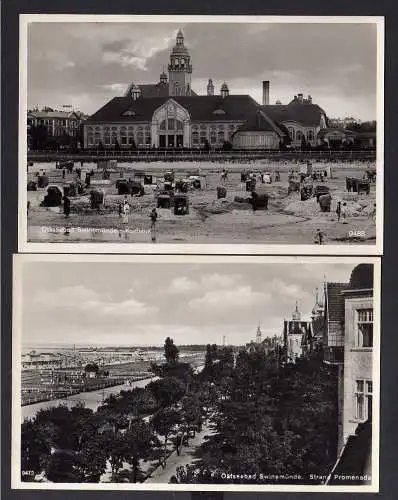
(129,112)
(218,112)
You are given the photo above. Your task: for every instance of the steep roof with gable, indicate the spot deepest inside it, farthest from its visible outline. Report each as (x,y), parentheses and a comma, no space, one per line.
(304,113)
(201,108)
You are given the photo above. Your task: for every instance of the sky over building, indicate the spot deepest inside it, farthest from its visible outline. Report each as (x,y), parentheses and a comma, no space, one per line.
(141,304)
(86,64)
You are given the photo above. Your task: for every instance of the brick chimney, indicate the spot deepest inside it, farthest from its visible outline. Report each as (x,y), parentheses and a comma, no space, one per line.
(300,97)
(265,92)
(309,99)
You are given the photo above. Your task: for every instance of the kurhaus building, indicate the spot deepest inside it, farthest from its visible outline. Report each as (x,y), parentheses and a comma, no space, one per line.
(170,114)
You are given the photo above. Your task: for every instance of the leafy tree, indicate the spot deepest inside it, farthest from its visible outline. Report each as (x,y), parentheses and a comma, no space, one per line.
(208,359)
(165,422)
(62,468)
(227,146)
(140,441)
(39,136)
(191,412)
(91,460)
(171,352)
(91,367)
(167,391)
(35,447)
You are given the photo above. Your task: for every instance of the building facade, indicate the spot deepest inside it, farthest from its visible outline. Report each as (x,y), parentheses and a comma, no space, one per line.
(170,114)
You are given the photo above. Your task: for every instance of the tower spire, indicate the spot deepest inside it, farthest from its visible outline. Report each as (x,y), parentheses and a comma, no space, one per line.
(258,335)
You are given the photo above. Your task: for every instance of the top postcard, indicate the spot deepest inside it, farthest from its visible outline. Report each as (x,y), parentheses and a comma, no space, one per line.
(201,134)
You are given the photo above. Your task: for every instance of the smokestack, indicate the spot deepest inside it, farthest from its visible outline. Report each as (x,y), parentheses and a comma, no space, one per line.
(265,92)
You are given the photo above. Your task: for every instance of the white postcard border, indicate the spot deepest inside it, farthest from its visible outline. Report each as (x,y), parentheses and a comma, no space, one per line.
(21,259)
(194,248)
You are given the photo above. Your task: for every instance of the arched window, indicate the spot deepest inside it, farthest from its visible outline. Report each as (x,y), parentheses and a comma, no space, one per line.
(310,135)
(291,133)
(140,137)
(220,136)
(299,135)
(195,138)
(176,88)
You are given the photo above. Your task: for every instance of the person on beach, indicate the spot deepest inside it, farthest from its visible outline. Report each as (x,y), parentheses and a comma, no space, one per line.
(66,206)
(338,210)
(153,216)
(126,211)
(372,214)
(344,213)
(319,237)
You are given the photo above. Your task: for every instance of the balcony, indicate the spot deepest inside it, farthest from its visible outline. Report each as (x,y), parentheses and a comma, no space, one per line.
(333,355)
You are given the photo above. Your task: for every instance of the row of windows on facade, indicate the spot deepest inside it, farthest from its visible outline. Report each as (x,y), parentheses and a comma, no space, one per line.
(140,139)
(62,123)
(298,135)
(170,124)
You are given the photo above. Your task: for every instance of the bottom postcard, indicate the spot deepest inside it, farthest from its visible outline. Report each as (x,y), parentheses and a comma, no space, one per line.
(196,373)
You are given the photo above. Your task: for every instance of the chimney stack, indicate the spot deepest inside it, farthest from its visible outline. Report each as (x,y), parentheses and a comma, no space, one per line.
(265,92)
(310,99)
(300,97)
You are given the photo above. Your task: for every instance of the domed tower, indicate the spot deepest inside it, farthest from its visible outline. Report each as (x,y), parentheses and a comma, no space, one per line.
(180,68)
(224,90)
(210,87)
(318,308)
(258,335)
(296,316)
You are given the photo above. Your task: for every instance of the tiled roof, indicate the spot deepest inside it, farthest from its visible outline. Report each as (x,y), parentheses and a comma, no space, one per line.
(335,301)
(332,130)
(149,90)
(53,114)
(307,114)
(261,122)
(201,108)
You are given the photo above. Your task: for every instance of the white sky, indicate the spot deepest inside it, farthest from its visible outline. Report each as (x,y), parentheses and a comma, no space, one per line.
(142,304)
(86,64)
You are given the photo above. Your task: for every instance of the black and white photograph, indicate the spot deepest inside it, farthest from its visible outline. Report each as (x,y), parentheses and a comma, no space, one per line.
(201,134)
(196,373)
